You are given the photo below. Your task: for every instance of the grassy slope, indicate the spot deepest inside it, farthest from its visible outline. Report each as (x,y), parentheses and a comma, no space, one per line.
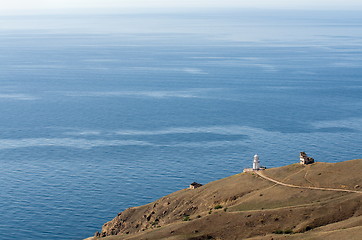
(255,207)
(345,175)
(348,229)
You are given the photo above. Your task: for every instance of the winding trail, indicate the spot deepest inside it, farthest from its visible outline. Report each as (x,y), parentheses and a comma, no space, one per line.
(260,173)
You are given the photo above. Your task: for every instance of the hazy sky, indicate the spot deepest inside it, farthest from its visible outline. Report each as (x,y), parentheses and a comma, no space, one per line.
(34,5)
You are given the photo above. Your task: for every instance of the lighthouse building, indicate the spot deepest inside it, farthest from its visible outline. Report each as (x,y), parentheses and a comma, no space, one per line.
(256,162)
(256,165)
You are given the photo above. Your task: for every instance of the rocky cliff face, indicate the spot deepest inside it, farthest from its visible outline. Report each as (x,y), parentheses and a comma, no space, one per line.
(245,205)
(182,205)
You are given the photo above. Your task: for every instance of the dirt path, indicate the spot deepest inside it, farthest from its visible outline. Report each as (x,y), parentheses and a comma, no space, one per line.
(260,173)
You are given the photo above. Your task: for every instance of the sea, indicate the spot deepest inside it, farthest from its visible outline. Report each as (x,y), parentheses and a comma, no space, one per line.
(104,111)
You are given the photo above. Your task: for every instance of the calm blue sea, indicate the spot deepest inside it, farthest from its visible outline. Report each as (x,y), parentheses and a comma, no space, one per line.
(99,113)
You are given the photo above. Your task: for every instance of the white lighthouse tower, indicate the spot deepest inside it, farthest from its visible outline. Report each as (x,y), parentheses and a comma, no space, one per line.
(256,162)
(256,165)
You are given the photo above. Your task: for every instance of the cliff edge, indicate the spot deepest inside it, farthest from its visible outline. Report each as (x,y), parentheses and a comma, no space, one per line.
(320,200)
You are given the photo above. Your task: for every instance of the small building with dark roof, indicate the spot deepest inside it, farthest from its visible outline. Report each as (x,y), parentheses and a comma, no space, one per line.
(195,185)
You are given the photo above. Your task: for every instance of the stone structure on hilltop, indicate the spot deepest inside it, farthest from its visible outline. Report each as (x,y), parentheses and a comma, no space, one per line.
(304,159)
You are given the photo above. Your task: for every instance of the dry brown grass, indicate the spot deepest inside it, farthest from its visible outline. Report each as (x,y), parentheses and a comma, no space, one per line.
(345,175)
(255,207)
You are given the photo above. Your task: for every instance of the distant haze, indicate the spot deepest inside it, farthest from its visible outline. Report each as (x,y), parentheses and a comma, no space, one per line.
(126,5)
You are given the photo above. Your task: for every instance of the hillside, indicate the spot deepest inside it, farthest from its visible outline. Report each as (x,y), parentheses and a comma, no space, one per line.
(247,205)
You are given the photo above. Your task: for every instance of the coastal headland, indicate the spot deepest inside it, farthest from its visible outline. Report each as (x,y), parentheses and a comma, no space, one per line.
(315,201)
